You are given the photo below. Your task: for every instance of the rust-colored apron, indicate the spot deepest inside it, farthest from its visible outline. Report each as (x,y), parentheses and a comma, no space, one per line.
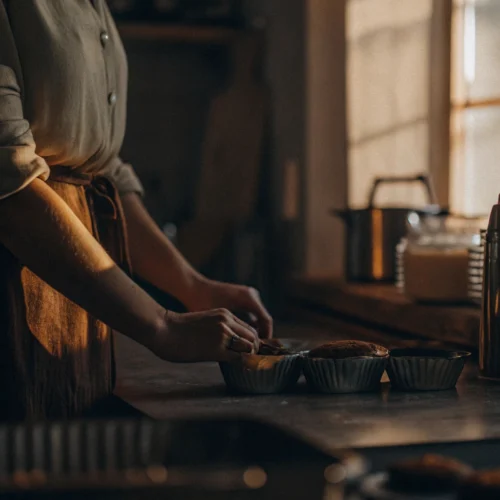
(56,360)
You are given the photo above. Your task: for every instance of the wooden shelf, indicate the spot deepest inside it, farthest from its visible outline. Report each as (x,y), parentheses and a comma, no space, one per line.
(178,33)
(384,307)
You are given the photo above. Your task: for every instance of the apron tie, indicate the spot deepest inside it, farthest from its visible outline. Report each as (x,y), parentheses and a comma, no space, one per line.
(106,211)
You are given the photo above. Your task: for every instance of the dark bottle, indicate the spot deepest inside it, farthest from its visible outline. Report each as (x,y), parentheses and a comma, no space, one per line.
(489,336)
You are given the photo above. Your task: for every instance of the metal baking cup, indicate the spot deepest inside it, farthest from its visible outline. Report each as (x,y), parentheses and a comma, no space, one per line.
(337,376)
(425,369)
(281,376)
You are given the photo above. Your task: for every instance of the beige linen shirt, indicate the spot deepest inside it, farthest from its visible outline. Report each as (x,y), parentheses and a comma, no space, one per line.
(63,91)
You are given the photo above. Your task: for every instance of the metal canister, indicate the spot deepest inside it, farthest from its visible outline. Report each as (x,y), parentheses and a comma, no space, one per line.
(372,233)
(489,337)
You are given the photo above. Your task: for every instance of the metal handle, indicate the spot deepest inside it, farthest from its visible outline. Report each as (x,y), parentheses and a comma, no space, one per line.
(422,178)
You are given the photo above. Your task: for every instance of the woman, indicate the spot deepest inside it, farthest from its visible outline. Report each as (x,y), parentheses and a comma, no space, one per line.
(65,200)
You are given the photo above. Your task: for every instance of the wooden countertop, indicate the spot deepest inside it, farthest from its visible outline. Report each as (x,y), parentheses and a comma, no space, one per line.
(163,390)
(384,308)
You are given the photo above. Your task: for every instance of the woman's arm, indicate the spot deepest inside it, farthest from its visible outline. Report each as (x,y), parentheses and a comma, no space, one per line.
(39,228)
(154,258)
(157,261)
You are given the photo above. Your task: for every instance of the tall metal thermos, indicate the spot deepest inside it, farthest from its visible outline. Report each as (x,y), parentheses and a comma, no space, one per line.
(489,336)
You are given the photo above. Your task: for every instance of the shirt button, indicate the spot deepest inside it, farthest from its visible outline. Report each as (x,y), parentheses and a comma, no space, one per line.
(112,97)
(104,38)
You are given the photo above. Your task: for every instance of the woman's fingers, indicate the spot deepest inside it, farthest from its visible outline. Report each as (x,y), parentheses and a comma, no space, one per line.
(246,331)
(214,335)
(255,306)
(225,318)
(235,343)
(247,317)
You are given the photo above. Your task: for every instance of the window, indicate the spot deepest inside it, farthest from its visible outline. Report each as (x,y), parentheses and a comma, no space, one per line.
(392,76)
(475,119)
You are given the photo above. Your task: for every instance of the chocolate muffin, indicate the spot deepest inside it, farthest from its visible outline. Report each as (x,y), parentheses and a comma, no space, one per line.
(343,349)
(345,366)
(484,485)
(430,473)
(273,347)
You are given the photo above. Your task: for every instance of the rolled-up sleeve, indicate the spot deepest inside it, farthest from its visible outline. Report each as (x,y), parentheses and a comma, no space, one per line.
(123,177)
(19,163)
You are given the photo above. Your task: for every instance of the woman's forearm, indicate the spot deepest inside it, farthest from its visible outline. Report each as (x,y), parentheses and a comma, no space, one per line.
(39,228)
(154,258)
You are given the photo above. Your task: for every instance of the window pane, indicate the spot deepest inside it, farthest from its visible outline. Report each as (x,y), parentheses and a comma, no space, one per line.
(476,179)
(486,83)
(388,98)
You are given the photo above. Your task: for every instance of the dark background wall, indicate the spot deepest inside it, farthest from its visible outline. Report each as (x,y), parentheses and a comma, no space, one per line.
(169,93)
(170,89)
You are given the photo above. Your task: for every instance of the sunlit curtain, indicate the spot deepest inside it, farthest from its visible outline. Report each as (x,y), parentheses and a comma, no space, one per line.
(475,167)
(388,97)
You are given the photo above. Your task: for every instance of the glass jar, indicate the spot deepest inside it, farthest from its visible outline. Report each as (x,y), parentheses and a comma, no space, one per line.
(435,257)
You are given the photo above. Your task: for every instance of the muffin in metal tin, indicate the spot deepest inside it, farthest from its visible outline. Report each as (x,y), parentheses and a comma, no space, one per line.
(430,477)
(425,369)
(345,366)
(483,485)
(274,369)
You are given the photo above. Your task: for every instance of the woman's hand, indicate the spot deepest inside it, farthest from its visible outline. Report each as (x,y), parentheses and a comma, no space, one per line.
(210,294)
(215,335)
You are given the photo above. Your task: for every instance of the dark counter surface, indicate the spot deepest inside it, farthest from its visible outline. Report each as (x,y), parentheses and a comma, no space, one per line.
(162,390)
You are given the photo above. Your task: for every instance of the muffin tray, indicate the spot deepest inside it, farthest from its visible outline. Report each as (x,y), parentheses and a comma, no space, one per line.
(177,459)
